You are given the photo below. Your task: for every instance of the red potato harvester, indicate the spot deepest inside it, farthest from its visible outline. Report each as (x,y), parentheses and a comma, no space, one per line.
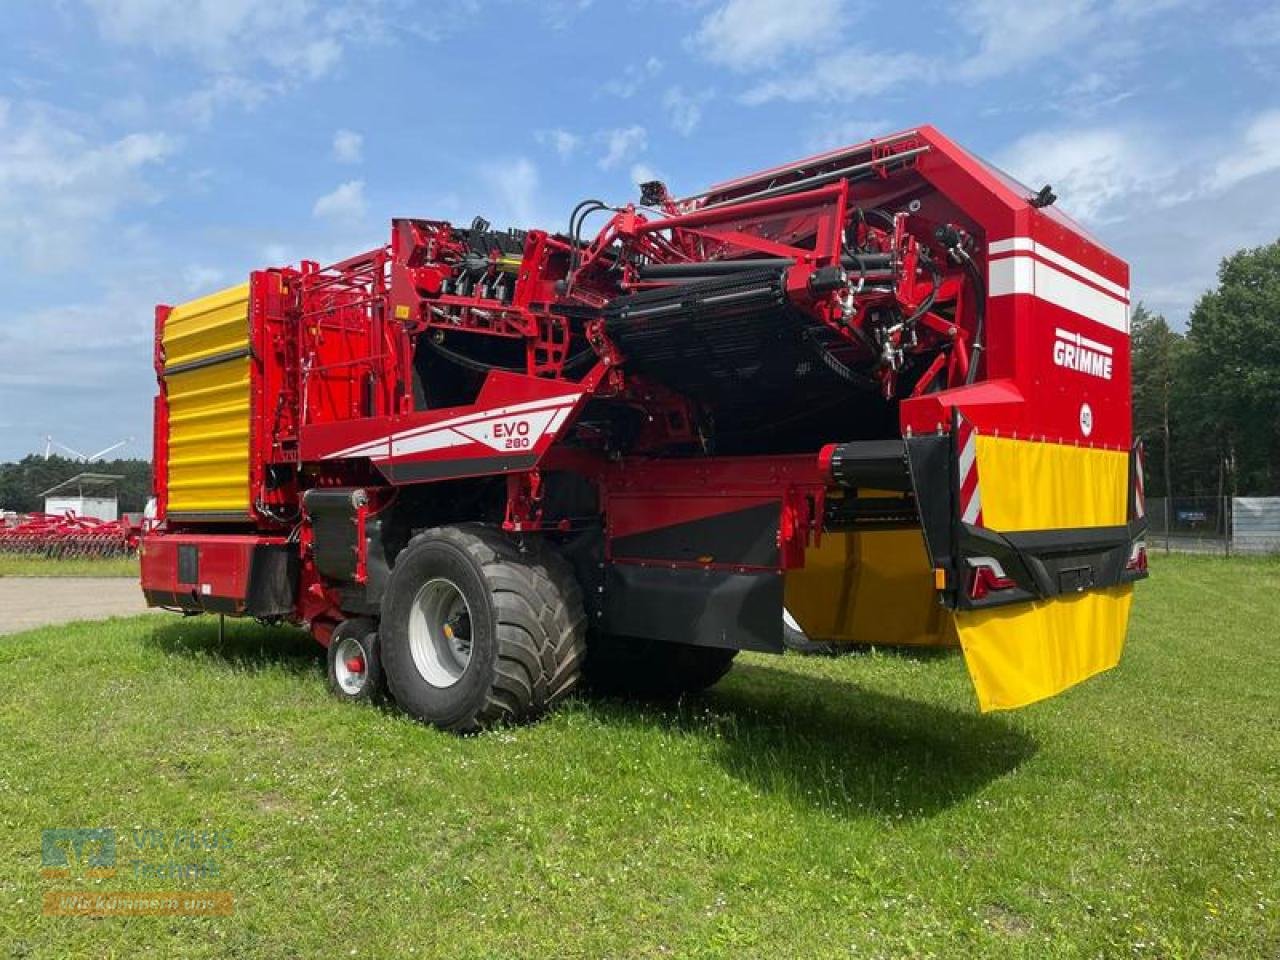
(885,388)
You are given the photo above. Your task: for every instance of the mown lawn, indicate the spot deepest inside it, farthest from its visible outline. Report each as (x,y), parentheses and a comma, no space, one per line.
(806,808)
(35,565)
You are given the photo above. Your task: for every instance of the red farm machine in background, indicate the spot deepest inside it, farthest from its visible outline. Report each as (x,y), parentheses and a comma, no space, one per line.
(66,536)
(885,388)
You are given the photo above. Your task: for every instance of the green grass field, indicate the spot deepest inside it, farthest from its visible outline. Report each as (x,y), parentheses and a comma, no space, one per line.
(33,565)
(805,808)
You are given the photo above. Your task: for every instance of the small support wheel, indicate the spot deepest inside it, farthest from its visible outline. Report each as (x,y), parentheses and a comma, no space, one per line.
(355,665)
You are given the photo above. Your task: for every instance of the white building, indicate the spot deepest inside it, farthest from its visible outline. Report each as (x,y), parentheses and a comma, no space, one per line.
(85,495)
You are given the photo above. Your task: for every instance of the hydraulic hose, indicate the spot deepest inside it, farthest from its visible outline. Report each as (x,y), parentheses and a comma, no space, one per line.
(576,219)
(481,366)
(980,311)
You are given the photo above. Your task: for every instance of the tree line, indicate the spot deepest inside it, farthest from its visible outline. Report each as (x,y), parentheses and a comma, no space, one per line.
(1207,402)
(22,483)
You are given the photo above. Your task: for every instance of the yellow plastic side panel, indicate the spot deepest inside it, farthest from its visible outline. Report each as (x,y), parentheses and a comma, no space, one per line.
(1022,653)
(869,588)
(208,327)
(1049,486)
(209,405)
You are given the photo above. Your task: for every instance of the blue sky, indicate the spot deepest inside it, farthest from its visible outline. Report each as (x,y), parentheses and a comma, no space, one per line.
(153,151)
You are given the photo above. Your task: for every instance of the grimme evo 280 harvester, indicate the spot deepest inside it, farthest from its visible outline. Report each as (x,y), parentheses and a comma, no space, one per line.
(886,388)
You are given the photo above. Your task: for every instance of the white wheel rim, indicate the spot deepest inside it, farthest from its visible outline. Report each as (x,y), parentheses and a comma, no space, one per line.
(350,666)
(440,632)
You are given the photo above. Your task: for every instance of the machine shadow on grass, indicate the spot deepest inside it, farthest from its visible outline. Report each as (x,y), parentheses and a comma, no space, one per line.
(820,742)
(836,746)
(247,645)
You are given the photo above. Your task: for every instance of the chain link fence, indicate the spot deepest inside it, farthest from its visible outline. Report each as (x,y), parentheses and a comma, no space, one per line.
(1220,525)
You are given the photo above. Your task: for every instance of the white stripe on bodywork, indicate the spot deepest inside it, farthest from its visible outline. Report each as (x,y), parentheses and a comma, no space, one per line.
(1025,275)
(1027,245)
(422,442)
(973,507)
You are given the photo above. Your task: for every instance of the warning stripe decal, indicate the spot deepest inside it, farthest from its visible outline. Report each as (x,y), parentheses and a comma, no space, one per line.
(1139,484)
(970,491)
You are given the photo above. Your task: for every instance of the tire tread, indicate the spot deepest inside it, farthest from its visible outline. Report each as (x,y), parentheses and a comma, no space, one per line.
(540,624)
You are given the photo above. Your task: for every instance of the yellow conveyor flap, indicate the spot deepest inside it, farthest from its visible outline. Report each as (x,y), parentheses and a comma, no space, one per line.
(207,386)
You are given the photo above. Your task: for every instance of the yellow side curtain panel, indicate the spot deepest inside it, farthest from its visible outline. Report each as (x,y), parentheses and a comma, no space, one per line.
(207,383)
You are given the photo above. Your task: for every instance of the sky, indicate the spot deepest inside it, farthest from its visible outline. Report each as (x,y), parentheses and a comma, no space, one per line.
(152,150)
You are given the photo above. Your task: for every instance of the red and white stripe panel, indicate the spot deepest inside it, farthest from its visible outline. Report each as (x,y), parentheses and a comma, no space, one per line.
(970,490)
(1020,265)
(1139,483)
(516,428)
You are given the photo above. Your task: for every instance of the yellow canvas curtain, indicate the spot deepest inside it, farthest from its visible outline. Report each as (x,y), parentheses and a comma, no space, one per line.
(1027,485)
(1026,652)
(878,588)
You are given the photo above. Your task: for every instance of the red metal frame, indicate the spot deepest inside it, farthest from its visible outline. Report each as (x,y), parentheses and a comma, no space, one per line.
(335,348)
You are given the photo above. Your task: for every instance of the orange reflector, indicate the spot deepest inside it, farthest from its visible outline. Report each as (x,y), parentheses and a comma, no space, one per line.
(939,578)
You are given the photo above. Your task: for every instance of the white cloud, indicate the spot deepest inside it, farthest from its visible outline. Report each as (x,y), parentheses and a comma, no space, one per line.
(81,370)
(558,13)
(621,144)
(1100,39)
(643,173)
(345,203)
(1011,33)
(224,90)
(1149,195)
(634,76)
(58,186)
(241,52)
(684,110)
(563,142)
(743,34)
(348,146)
(513,188)
(201,279)
(1259,153)
(1262,29)
(844,75)
(831,132)
(1091,170)
(223,34)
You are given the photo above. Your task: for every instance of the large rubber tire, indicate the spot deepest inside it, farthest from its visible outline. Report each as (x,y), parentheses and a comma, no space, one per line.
(525,620)
(652,669)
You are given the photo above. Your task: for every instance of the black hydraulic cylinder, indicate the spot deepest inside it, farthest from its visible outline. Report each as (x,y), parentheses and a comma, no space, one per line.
(860,262)
(871,465)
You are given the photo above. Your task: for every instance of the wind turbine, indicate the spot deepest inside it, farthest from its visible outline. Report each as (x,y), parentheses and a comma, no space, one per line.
(50,443)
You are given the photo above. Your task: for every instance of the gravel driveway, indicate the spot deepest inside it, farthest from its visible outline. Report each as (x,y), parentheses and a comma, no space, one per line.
(27,602)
